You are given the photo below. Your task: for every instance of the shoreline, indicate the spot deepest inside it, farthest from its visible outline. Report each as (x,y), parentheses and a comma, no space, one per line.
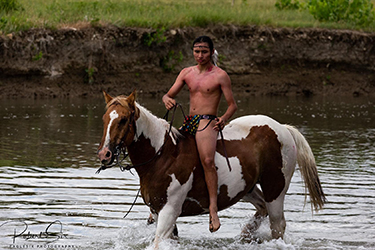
(70,63)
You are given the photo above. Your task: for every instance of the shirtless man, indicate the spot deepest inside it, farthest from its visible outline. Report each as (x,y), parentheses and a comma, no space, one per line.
(206,83)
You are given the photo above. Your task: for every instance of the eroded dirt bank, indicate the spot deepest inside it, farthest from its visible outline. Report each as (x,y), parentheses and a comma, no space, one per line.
(260,61)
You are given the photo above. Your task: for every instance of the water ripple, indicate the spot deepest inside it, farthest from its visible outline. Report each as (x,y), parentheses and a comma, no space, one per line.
(48,164)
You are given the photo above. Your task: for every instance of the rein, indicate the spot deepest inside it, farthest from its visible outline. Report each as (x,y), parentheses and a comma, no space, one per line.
(122,149)
(222,141)
(128,167)
(165,117)
(225,149)
(210,120)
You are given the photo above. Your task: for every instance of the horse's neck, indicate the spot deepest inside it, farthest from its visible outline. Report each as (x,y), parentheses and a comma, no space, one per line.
(152,128)
(151,136)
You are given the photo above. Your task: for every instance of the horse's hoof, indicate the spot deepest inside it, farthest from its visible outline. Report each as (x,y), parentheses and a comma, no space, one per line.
(150,220)
(175,232)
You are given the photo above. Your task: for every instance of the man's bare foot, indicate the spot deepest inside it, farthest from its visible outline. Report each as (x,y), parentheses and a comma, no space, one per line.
(214,222)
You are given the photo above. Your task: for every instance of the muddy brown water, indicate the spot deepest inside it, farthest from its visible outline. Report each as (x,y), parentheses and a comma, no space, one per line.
(48,181)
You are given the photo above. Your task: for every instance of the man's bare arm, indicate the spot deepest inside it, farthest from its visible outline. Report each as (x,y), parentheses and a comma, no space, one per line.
(168,98)
(226,88)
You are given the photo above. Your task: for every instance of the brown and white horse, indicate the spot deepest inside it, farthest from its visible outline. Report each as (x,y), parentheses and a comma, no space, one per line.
(260,151)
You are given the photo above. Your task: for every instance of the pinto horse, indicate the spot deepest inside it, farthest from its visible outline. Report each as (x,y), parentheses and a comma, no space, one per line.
(260,151)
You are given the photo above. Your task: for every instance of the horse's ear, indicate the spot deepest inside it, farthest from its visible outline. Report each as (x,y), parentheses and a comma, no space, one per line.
(131,98)
(107,97)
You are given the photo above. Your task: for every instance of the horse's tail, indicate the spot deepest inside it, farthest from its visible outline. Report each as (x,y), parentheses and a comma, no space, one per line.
(309,172)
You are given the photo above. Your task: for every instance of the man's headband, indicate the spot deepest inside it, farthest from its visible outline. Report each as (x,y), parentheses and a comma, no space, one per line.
(201,47)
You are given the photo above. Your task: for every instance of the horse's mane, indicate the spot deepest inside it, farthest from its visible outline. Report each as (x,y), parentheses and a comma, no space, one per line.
(150,125)
(153,120)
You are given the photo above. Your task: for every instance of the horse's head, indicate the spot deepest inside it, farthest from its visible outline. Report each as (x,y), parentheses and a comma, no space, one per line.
(119,126)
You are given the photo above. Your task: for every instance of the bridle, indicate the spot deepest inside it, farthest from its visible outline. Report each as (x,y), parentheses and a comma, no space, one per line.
(117,162)
(121,149)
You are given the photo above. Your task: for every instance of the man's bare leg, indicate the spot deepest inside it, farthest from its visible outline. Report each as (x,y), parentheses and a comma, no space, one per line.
(206,143)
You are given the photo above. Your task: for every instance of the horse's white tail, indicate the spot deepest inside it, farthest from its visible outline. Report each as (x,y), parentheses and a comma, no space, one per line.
(309,172)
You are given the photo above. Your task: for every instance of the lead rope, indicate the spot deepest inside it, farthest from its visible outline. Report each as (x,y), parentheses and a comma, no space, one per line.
(225,150)
(131,207)
(222,141)
(220,130)
(165,117)
(157,153)
(129,167)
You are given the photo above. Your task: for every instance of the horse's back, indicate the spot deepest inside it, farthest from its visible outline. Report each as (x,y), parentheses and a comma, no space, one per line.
(257,146)
(253,144)
(243,126)
(240,127)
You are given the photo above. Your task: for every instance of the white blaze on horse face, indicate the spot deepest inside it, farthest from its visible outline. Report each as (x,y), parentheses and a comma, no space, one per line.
(113,115)
(232,179)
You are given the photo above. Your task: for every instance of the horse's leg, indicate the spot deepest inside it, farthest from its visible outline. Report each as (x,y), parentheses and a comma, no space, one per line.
(276,215)
(167,216)
(175,231)
(166,223)
(278,164)
(275,204)
(255,196)
(153,218)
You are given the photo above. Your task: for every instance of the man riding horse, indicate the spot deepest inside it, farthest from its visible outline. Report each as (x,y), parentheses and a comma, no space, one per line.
(206,83)
(176,170)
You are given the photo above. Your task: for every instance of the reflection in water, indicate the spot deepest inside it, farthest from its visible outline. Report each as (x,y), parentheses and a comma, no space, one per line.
(48,163)
(54,134)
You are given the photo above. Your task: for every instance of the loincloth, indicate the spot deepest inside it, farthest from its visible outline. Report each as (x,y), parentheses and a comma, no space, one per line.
(191,123)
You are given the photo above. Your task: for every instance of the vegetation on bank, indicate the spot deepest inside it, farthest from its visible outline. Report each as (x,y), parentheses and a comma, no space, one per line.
(16,15)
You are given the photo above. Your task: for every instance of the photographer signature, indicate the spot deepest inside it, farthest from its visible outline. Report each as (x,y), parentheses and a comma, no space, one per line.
(50,234)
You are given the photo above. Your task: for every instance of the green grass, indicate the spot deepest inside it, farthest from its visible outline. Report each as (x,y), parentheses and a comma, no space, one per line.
(54,14)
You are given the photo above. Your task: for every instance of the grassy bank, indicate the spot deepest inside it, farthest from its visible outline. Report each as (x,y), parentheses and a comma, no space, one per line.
(159,13)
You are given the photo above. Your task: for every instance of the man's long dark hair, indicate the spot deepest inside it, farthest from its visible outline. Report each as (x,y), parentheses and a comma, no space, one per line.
(204,39)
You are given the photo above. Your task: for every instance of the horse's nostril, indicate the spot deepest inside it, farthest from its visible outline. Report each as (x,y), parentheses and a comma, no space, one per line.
(108,154)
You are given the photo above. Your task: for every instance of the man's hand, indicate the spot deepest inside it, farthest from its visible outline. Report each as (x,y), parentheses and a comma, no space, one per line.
(220,123)
(169,102)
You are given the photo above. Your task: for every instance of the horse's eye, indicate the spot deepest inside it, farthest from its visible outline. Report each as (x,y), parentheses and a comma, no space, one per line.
(122,121)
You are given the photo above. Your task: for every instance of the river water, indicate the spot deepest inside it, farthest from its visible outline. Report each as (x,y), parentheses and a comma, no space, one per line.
(48,181)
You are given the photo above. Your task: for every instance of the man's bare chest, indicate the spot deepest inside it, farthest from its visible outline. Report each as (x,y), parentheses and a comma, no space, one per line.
(203,84)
